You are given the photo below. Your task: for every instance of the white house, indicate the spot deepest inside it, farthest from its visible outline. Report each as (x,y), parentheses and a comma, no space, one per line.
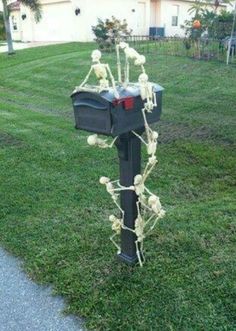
(71,20)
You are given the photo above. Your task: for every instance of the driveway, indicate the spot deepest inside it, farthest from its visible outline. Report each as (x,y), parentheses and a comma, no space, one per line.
(21,45)
(26,306)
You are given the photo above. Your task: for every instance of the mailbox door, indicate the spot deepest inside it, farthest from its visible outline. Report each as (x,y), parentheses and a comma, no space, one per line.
(125,120)
(92,113)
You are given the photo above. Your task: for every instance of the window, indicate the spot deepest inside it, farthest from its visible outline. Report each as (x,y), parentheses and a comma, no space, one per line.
(175,15)
(14,23)
(174,21)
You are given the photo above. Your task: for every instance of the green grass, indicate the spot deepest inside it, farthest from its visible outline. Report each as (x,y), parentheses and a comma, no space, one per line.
(53,212)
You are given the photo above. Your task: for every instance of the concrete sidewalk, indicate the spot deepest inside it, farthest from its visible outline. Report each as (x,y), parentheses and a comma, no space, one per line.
(26,306)
(21,45)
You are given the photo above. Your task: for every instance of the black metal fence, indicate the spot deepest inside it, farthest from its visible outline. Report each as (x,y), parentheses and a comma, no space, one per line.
(202,49)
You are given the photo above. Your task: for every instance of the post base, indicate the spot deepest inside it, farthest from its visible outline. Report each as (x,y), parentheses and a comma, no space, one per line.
(127,259)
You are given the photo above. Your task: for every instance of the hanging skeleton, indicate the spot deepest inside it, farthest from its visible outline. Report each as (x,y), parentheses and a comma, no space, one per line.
(147,92)
(130,54)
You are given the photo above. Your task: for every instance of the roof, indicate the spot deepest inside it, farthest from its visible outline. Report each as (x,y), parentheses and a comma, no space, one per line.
(14,5)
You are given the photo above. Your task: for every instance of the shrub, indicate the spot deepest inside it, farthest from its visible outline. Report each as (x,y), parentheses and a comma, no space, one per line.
(110,31)
(215,26)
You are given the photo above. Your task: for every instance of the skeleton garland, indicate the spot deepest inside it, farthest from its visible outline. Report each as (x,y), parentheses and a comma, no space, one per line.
(149,208)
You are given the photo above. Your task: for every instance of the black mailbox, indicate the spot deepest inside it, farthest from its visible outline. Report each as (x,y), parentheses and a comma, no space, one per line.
(103,113)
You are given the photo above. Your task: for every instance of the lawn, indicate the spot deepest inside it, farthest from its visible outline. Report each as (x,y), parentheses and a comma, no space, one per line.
(53,211)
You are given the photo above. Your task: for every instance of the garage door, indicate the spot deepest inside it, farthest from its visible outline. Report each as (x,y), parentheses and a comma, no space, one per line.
(57,23)
(141,18)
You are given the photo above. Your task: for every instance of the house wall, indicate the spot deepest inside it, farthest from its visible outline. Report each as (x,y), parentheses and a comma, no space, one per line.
(168,10)
(91,11)
(136,12)
(59,22)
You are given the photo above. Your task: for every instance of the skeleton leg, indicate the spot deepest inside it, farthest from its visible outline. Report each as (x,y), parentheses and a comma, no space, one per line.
(148,191)
(113,142)
(154,223)
(138,253)
(147,168)
(147,127)
(137,135)
(138,208)
(141,251)
(148,171)
(120,209)
(143,204)
(114,243)
(126,71)
(87,77)
(118,63)
(112,81)
(118,206)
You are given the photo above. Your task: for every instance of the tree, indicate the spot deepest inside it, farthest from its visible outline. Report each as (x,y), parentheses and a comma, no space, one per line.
(34,6)
(2,29)
(206,24)
(200,5)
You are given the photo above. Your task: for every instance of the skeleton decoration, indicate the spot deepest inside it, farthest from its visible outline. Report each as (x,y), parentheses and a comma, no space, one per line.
(149,208)
(130,54)
(93,140)
(102,71)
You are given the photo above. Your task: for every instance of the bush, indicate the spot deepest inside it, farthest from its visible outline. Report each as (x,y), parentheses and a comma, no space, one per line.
(214,26)
(110,32)
(2,28)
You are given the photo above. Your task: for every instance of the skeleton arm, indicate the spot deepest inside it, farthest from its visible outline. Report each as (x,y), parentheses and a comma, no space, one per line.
(112,81)
(116,227)
(87,77)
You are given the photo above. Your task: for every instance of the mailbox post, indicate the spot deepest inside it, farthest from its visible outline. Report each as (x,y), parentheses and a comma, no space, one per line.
(129,151)
(103,113)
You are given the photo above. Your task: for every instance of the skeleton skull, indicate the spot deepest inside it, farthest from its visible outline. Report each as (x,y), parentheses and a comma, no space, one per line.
(143,78)
(104,180)
(138,179)
(92,139)
(96,55)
